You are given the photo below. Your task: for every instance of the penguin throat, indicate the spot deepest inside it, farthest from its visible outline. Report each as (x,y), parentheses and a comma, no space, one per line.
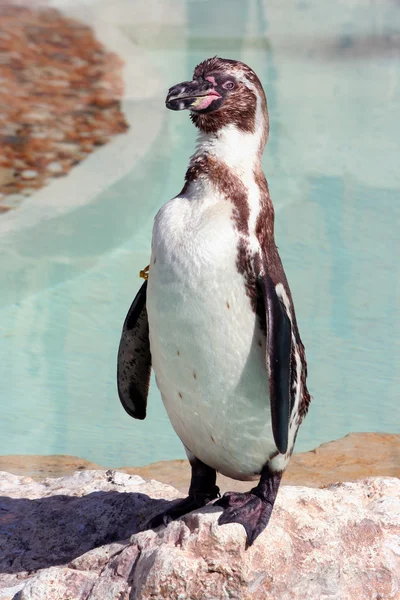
(235,148)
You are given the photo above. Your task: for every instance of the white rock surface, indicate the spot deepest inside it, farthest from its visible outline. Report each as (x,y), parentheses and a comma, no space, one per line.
(68,539)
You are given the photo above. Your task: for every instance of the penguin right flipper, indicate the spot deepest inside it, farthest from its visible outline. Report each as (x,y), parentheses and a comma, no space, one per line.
(134,358)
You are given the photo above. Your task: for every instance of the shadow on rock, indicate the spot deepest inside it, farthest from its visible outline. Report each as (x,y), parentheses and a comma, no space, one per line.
(39,533)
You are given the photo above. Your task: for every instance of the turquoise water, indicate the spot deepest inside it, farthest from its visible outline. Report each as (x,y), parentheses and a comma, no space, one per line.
(332,77)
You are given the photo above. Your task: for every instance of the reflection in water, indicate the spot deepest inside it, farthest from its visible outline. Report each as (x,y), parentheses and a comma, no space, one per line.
(332,79)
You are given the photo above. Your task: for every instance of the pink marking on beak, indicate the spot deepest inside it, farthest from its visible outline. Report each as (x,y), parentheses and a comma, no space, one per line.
(211,80)
(213,93)
(206,101)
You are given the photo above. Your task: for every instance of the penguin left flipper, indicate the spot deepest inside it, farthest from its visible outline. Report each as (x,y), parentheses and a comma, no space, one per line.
(278,355)
(134,358)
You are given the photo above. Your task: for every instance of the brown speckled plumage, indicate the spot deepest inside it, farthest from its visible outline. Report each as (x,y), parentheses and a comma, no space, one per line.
(228,185)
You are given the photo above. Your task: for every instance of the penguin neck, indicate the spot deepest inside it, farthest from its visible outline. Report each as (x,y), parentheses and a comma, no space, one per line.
(239,150)
(227,164)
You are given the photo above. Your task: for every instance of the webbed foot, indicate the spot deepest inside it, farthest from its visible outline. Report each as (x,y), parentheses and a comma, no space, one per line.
(251,509)
(247,509)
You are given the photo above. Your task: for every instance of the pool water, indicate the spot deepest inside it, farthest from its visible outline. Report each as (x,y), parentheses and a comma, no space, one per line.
(332,77)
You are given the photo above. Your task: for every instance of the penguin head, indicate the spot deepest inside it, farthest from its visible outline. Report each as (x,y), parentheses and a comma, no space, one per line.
(222,93)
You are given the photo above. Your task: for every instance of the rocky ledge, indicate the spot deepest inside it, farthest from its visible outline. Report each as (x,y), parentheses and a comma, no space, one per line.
(356,456)
(81,537)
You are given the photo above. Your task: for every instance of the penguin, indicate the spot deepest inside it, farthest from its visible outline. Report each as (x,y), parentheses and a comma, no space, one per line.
(215,317)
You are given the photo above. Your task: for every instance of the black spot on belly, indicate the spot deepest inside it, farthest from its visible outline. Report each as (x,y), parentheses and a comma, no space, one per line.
(212,439)
(178,353)
(180,395)
(227,304)
(154,261)
(194,376)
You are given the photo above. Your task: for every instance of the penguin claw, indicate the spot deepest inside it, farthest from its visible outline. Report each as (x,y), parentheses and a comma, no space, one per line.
(248,510)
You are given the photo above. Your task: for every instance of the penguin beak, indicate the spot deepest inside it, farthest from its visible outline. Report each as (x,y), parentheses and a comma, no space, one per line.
(191,95)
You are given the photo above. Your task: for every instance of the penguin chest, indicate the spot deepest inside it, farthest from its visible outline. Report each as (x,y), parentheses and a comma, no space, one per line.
(207,348)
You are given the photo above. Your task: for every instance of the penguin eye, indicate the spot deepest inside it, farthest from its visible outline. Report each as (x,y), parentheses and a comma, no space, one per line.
(228,85)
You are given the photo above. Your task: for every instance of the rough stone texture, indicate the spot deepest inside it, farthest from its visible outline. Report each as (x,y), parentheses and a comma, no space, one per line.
(59,97)
(356,456)
(67,539)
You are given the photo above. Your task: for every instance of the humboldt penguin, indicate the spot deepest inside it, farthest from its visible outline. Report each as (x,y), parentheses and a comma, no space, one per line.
(215,317)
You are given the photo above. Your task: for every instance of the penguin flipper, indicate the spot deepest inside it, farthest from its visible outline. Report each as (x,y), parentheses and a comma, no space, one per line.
(134,358)
(278,356)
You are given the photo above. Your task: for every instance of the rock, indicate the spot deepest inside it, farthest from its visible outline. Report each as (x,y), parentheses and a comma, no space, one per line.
(6,176)
(356,456)
(58,584)
(69,538)
(11,593)
(29,174)
(57,81)
(55,168)
(40,467)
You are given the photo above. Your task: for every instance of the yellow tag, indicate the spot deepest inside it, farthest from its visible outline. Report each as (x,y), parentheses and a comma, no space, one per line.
(144,273)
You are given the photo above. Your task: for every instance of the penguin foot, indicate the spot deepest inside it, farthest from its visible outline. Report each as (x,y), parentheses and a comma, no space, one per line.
(248,509)
(202,490)
(180,508)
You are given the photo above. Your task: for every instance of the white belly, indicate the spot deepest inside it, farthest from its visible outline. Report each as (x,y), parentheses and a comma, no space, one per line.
(207,350)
